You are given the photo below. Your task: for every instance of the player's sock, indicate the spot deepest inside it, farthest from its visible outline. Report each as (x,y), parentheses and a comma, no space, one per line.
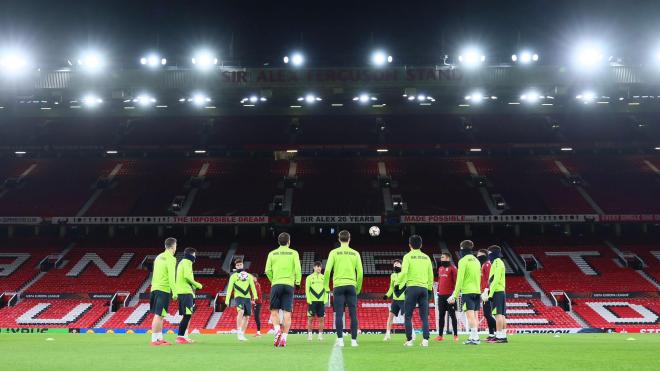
(277,328)
(154,337)
(284,336)
(474,335)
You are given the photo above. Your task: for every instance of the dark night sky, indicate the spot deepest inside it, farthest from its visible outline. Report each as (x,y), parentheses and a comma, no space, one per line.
(330,32)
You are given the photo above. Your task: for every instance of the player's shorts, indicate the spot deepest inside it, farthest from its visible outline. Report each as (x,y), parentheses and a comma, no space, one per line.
(281,297)
(244,304)
(443,305)
(159,302)
(316,309)
(186,304)
(397,307)
(471,301)
(498,303)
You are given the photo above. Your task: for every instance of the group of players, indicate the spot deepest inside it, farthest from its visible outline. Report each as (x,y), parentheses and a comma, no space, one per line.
(478,279)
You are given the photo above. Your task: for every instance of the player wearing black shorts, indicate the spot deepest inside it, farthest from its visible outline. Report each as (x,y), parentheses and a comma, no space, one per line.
(185,286)
(163,287)
(317,298)
(398,298)
(241,284)
(497,293)
(283,271)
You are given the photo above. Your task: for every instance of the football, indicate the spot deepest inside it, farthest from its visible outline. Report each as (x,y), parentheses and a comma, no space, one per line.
(243,276)
(374,231)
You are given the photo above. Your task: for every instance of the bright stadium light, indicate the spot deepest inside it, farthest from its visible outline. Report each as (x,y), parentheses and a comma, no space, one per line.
(587,97)
(380,58)
(588,55)
(13,62)
(199,99)
(421,98)
(471,57)
(531,97)
(204,60)
(309,99)
(252,100)
(297,59)
(365,98)
(91,61)
(144,100)
(525,57)
(153,61)
(475,97)
(91,101)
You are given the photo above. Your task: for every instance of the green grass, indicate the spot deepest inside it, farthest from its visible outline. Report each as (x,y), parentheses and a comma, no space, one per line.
(132,352)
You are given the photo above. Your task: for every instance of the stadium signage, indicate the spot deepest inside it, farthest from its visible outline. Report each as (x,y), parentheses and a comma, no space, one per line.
(338,219)
(260,219)
(20,220)
(477,219)
(340,75)
(24,330)
(630,218)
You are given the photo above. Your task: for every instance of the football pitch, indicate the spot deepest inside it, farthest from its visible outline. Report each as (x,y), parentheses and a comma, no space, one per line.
(224,352)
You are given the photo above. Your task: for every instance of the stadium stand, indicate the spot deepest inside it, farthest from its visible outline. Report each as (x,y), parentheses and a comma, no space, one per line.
(20,260)
(619,313)
(582,268)
(65,313)
(446,187)
(98,269)
(139,316)
(239,186)
(337,187)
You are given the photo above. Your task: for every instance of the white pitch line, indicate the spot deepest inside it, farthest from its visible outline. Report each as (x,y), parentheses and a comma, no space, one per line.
(336,362)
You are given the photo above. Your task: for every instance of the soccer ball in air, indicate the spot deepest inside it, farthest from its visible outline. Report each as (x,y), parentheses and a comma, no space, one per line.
(243,276)
(374,231)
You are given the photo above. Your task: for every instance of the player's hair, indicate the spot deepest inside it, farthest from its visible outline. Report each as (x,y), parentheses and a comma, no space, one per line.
(495,248)
(415,241)
(482,251)
(467,244)
(446,255)
(284,239)
(238,260)
(189,251)
(396,261)
(344,236)
(170,242)
(318,264)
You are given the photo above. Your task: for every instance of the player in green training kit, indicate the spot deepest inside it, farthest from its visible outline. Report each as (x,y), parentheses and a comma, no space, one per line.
(398,296)
(417,277)
(241,283)
(283,271)
(468,285)
(496,292)
(345,266)
(163,288)
(185,286)
(317,298)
